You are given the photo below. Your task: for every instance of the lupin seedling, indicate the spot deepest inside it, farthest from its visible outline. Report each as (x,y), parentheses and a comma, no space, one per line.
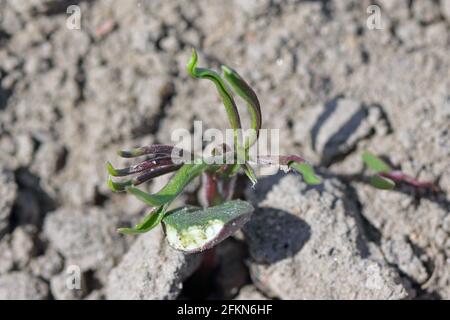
(386,178)
(194,229)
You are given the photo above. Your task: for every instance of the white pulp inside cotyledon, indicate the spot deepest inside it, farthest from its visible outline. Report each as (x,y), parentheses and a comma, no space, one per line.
(193,237)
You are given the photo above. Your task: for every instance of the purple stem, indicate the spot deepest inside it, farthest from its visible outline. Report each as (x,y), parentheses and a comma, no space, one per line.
(399,176)
(217,188)
(159,171)
(152,149)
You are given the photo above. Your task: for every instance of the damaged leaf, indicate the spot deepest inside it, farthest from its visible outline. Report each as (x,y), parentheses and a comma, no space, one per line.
(192,229)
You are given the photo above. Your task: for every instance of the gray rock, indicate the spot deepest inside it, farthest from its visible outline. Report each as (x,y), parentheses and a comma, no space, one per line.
(397,9)
(49,159)
(253,7)
(151,269)
(6,255)
(308,243)
(410,33)
(10,21)
(47,265)
(446,223)
(399,252)
(24,150)
(27,6)
(8,146)
(85,238)
(447,248)
(440,238)
(95,295)
(250,292)
(445,9)
(337,127)
(437,33)
(425,11)
(22,286)
(7,195)
(396,215)
(23,244)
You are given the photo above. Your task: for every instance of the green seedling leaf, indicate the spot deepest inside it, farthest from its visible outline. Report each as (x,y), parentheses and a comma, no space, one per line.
(224,92)
(149,222)
(173,188)
(111,170)
(248,95)
(191,229)
(375,163)
(118,186)
(153,200)
(383,183)
(307,172)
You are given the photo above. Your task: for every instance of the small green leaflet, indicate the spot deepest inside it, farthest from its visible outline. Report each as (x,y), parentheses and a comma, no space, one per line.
(375,163)
(222,88)
(307,172)
(164,197)
(245,92)
(149,222)
(118,186)
(170,191)
(382,183)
